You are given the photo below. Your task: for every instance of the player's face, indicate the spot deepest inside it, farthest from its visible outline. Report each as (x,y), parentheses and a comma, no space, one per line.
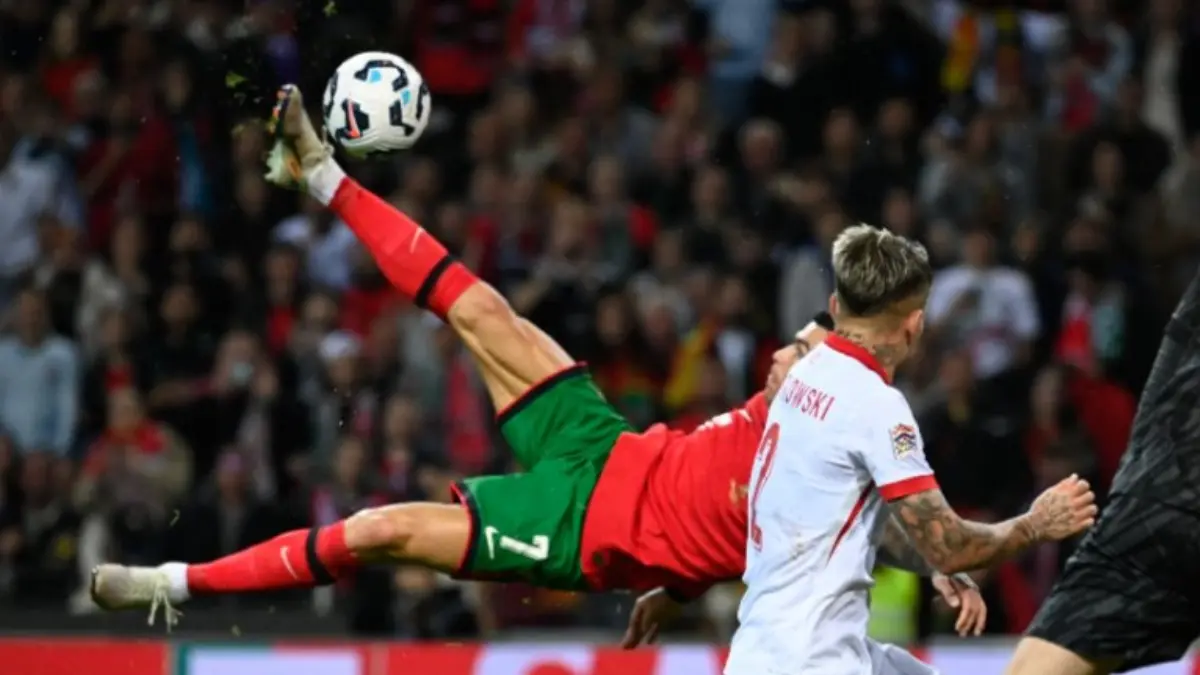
(809,337)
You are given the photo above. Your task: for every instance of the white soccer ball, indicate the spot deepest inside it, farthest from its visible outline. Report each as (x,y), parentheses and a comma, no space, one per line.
(376,103)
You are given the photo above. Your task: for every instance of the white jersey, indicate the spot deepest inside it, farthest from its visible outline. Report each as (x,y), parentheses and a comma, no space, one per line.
(839,441)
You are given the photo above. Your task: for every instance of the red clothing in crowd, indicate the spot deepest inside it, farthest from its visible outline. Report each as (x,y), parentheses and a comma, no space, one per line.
(60,80)
(459,44)
(1106,411)
(145,174)
(360,307)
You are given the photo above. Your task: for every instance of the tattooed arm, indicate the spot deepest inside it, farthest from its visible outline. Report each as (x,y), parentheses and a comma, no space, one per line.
(896,550)
(952,544)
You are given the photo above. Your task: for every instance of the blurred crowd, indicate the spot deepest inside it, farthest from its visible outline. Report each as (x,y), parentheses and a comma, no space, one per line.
(194,361)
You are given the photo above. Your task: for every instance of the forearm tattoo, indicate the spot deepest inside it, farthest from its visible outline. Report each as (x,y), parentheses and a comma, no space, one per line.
(951,544)
(897,550)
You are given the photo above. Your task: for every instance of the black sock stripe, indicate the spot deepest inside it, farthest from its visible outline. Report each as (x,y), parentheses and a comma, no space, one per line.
(319,571)
(422,297)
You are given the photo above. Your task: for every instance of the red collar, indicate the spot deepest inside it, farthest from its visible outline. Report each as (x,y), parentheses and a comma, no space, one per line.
(858,353)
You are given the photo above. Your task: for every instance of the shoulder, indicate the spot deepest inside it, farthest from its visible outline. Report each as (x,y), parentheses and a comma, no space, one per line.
(292,230)
(951,276)
(886,408)
(342,235)
(33,170)
(846,375)
(858,395)
(1010,277)
(60,348)
(803,259)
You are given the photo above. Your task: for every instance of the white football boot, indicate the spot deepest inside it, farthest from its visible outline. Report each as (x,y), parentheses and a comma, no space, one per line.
(117,587)
(297,148)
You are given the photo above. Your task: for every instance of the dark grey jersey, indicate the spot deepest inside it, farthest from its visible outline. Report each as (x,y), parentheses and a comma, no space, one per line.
(1162,461)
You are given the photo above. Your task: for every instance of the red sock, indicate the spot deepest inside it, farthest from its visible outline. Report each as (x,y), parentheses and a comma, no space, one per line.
(296,559)
(414,261)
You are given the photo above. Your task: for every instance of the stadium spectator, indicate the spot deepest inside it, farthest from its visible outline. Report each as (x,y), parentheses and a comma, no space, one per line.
(39,380)
(655,184)
(224,514)
(988,308)
(38,539)
(1088,58)
(132,476)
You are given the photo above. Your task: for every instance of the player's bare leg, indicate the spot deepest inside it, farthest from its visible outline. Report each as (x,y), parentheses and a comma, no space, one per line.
(431,535)
(1035,656)
(513,354)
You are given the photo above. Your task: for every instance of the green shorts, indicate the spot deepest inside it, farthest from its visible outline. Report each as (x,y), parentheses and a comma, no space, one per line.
(528,526)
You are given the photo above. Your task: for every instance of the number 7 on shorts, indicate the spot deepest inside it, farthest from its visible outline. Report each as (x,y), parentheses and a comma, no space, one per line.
(538,548)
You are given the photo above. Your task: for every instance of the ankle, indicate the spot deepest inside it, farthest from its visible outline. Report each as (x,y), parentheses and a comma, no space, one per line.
(177,580)
(323,179)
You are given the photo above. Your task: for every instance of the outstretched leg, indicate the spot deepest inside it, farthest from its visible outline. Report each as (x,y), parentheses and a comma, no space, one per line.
(556,422)
(432,535)
(515,357)
(513,354)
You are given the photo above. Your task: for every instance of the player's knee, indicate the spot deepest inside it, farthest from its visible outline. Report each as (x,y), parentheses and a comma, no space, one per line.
(1035,656)
(1025,657)
(1023,664)
(381,528)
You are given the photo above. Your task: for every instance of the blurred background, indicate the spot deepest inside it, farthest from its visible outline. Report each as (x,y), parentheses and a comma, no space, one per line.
(193,361)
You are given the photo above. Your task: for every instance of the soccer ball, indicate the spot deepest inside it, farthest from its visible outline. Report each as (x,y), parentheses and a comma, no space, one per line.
(375,103)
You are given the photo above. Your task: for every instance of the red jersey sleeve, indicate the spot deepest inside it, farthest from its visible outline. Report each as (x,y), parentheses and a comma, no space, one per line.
(519,20)
(756,407)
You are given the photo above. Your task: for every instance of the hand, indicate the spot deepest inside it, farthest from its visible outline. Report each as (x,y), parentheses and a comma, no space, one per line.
(1064,510)
(651,611)
(960,592)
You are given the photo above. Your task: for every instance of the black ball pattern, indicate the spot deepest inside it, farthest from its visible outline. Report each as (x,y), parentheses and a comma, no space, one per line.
(357,119)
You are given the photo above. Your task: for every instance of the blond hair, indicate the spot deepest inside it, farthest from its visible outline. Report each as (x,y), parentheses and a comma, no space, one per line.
(876,271)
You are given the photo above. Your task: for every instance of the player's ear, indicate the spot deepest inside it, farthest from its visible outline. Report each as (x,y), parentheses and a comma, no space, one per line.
(833,304)
(914,324)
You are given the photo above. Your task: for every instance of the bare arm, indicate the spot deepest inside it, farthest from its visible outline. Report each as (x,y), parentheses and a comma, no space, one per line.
(952,544)
(897,550)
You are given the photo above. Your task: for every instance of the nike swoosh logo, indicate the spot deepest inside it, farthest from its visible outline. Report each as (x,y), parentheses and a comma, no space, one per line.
(489,533)
(287,563)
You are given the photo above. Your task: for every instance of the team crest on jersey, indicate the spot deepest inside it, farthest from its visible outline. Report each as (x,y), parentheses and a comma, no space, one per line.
(904,440)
